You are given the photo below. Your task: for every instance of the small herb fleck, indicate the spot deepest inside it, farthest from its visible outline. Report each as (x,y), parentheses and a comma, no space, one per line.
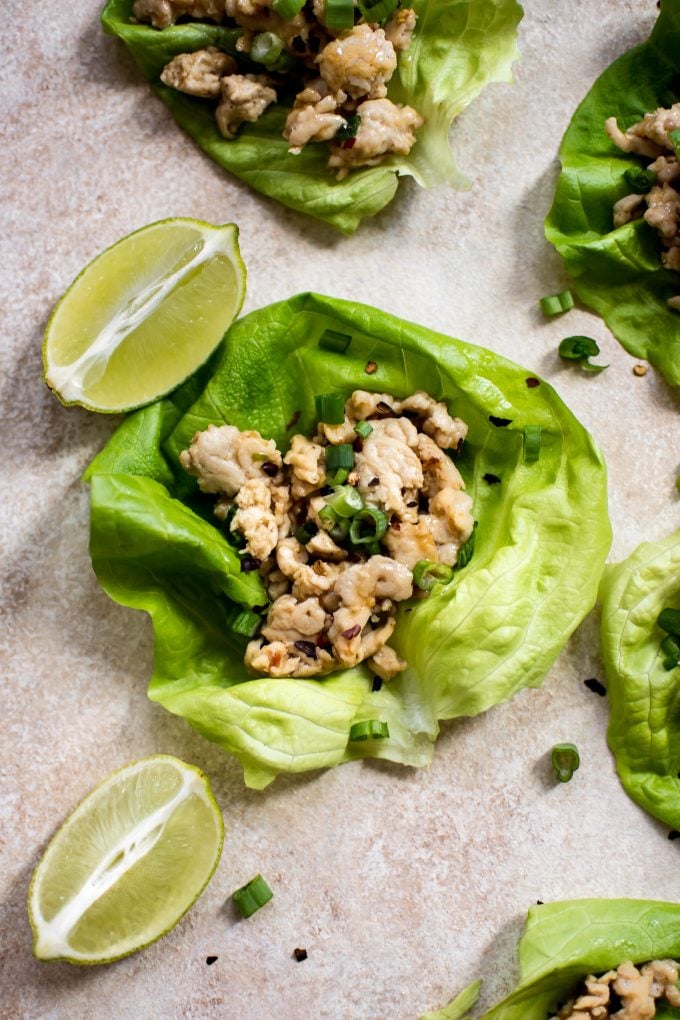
(595,686)
(491,479)
(500,423)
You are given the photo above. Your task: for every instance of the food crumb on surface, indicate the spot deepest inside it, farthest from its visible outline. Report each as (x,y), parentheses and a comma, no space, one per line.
(640,370)
(532,382)
(594,685)
(674,834)
(300,954)
(210,960)
(371,367)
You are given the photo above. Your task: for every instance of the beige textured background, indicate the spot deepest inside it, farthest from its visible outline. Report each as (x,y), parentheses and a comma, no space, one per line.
(402,885)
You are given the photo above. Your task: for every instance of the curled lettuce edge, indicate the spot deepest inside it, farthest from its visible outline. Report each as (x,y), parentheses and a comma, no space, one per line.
(542,538)
(459,47)
(644,697)
(567,940)
(618,272)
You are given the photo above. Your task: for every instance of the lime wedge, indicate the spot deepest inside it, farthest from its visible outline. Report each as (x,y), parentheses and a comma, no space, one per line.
(127,864)
(144,315)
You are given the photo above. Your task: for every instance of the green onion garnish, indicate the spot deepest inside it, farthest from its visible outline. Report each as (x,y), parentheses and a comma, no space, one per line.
(378,11)
(340,529)
(330,408)
(306,532)
(348,129)
(426,574)
(340,456)
(327,517)
(246,623)
(370,729)
(339,14)
(669,620)
(234,538)
(670,646)
(466,550)
(288,9)
(555,304)
(581,348)
(363,429)
(339,478)
(368,526)
(675,139)
(249,898)
(638,180)
(331,340)
(266,48)
(532,443)
(565,760)
(345,501)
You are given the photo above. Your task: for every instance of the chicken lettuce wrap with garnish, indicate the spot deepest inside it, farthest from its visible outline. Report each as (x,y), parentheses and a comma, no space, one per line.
(347,528)
(322,105)
(615,218)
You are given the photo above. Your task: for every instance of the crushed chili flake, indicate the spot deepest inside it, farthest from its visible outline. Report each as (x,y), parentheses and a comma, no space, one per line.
(373,482)
(384,407)
(210,960)
(300,954)
(532,382)
(595,686)
(307,648)
(412,502)
(293,421)
(350,143)
(250,563)
(351,632)
(500,423)
(270,468)
(377,683)
(395,523)
(491,479)
(371,367)
(674,834)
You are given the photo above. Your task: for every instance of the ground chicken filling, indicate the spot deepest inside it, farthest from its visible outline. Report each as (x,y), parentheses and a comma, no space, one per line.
(657,199)
(368,512)
(627,993)
(340,76)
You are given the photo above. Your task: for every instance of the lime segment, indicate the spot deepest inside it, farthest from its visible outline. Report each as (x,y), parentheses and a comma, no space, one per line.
(127,864)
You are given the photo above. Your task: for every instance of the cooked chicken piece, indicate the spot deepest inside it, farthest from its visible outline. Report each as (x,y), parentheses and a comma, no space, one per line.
(386,663)
(161,13)
(628,208)
(314,117)
(447,432)
(335,434)
(307,580)
(651,135)
(290,620)
(450,523)
(664,980)
(663,211)
(439,471)
(666,168)
(379,578)
(245,97)
(222,458)
(281,504)
(276,583)
(373,638)
(399,28)
(238,9)
(390,473)
(384,128)
(254,518)
(306,459)
(199,73)
(631,140)
(637,990)
(322,545)
(345,632)
(362,404)
(280,659)
(410,542)
(358,62)
(258,16)
(671,260)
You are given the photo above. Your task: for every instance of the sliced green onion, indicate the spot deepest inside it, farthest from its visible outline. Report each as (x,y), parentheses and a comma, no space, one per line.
(581,348)
(670,647)
(339,14)
(466,550)
(379,11)
(370,729)
(249,898)
(328,517)
(331,340)
(426,574)
(340,456)
(266,49)
(339,478)
(532,443)
(363,429)
(246,623)
(288,9)
(669,620)
(638,180)
(565,760)
(555,304)
(675,139)
(340,529)
(306,532)
(349,129)
(345,501)
(234,538)
(368,526)
(330,408)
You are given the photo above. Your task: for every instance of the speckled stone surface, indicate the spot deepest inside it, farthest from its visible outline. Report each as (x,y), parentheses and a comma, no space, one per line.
(402,885)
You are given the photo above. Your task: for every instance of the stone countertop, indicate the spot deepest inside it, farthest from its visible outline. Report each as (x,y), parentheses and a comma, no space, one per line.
(402,885)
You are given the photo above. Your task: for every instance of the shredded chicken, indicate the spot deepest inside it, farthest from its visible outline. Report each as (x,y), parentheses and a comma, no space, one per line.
(245,97)
(162,13)
(385,128)
(400,27)
(222,458)
(318,121)
(359,62)
(637,989)
(199,73)
(254,518)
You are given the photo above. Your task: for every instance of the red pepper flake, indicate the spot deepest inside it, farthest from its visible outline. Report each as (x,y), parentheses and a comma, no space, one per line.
(491,479)
(373,482)
(293,421)
(351,632)
(300,954)
(674,834)
(377,683)
(384,408)
(371,367)
(532,382)
(395,523)
(210,960)
(595,686)
(270,468)
(307,648)
(350,143)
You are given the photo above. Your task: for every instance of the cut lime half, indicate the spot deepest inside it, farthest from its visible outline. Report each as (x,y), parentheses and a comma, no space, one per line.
(127,864)
(144,315)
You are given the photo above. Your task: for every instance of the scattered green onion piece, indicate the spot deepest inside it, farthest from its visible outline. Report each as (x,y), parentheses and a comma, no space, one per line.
(426,574)
(327,517)
(466,550)
(345,501)
(339,14)
(581,348)
(565,760)
(249,898)
(246,623)
(306,532)
(639,181)
(266,49)
(363,429)
(234,538)
(670,647)
(532,443)
(377,12)
(368,526)
(288,9)
(669,620)
(555,304)
(340,529)
(339,478)
(349,129)
(332,340)
(330,408)
(340,456)
(675,139)
(370,729)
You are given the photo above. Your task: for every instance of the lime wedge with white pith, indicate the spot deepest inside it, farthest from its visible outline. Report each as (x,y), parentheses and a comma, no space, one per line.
(127,864)
(144,315)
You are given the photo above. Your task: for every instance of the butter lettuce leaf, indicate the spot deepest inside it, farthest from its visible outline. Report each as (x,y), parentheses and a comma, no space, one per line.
(459,47)
(542,538)
(618,272)
(644,697)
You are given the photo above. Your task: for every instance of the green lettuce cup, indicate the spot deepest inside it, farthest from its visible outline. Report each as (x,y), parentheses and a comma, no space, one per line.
(618,272)
(644,695)
(563,942)
(541,541)
(459,47)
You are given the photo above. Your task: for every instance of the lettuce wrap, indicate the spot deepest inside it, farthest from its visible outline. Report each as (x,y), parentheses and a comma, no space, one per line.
(618,272)
(563,942)
(459,47)
(542,537)
(644,696)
